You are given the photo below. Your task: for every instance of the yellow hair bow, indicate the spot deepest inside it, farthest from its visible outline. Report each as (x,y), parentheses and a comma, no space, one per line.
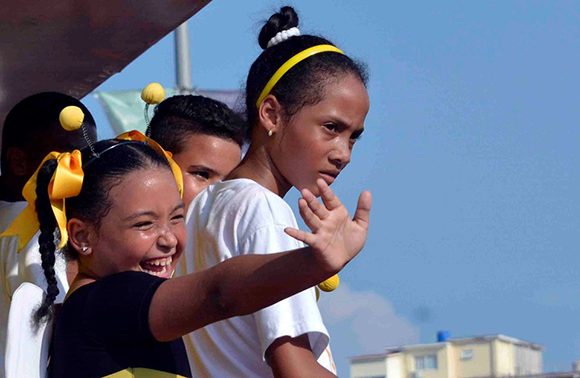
(66,182)
(138,136)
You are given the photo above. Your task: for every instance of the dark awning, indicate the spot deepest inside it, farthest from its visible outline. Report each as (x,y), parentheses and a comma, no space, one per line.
(72,46)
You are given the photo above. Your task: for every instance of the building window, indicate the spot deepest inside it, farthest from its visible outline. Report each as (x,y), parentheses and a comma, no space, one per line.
(467,354)
(428,361)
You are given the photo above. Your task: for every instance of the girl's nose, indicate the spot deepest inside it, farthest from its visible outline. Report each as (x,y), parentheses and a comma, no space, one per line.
(341,154)
(167,239)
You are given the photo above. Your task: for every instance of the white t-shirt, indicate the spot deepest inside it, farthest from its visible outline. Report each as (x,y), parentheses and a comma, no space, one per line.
(233,218)
(16,268)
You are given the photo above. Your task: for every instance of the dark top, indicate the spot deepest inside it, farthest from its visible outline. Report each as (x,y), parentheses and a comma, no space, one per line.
(103,328)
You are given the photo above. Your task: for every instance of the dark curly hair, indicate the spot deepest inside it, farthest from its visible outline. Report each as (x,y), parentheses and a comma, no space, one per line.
(305,83)
(180,116)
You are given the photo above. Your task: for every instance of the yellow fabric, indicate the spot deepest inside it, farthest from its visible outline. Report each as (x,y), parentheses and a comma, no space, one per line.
(291,63)
(138,136)
(66,182)
(142,373)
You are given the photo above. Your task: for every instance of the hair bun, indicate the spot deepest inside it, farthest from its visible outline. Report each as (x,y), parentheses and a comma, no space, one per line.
(285,19)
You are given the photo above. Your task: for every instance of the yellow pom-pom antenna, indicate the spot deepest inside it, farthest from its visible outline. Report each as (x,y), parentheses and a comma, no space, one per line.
(153,93)
(330,284)
(71,118)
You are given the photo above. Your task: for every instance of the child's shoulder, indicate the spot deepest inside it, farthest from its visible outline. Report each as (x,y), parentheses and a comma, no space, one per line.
(245,191)
(242,197)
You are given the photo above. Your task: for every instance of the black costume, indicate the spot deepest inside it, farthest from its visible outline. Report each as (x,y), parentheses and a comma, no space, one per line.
(103,328)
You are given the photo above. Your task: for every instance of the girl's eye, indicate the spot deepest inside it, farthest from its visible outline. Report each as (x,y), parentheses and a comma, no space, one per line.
(331,127)
(201,174)
(177,218)
(145,225)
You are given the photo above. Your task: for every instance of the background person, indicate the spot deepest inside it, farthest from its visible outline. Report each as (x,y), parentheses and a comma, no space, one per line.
(205,136)
(31,130)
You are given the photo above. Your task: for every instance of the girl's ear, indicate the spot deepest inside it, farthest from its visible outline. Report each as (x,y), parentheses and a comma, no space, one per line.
(270,114)
(79,236)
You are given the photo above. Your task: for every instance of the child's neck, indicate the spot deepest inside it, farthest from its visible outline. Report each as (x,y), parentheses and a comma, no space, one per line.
(259,167)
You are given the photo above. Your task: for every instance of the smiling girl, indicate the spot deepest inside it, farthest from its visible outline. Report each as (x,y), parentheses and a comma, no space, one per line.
(306,105)
(124,223)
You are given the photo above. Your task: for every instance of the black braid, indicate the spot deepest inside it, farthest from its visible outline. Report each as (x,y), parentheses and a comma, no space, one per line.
(46,240)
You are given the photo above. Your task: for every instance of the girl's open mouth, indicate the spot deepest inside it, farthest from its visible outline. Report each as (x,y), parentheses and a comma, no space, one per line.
(160,267)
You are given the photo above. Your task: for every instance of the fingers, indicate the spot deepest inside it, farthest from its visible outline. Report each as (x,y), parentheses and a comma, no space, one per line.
(303,236)
(310,219)
(362,214)
(315,206)
(330,200)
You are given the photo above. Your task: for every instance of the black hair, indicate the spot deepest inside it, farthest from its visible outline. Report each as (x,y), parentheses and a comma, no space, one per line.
(46,241)
(179,116)
(116,160)
(35,116)
(305,83)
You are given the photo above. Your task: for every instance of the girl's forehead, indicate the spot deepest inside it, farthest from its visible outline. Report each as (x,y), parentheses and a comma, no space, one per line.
(140,183)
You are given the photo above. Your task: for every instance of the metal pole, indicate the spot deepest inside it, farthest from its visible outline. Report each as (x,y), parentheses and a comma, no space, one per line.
(182,59)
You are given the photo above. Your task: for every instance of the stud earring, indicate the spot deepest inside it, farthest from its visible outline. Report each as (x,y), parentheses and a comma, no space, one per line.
(84,249)
(270,132)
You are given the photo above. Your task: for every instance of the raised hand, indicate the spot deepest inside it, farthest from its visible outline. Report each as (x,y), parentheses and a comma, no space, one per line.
(334,236)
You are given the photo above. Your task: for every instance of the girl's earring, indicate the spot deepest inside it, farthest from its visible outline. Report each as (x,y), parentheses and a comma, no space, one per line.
(270,132)
(84,249)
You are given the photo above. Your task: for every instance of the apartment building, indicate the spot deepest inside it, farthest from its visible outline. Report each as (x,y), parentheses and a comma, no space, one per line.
(472,357)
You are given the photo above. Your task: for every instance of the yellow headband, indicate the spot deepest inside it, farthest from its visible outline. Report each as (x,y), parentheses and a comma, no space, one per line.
(138,136)
(66,182)
(291,63)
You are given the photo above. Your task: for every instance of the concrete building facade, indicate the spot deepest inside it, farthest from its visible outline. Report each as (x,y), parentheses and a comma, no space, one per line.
(474,357)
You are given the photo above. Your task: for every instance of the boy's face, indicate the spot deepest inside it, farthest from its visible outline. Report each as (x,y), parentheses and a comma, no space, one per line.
(204,160)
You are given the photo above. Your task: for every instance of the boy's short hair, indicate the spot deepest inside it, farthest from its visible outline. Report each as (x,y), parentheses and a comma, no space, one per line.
(179,116)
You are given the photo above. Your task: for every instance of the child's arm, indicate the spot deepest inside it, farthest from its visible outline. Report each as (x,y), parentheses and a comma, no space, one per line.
(245,284)
(291,357)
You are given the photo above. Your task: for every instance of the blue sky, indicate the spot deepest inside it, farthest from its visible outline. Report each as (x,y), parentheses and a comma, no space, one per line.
(471,150)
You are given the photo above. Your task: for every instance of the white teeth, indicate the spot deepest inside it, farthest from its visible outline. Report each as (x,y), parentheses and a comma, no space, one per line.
(155,273)
(160,262)
(162,265)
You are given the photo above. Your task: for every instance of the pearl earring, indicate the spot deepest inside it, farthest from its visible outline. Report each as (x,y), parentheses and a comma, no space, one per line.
(270,132)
